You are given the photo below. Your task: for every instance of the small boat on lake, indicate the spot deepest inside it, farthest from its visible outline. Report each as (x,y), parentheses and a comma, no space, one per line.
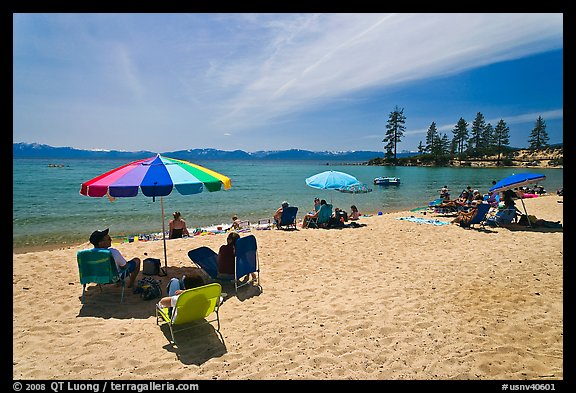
(384,181)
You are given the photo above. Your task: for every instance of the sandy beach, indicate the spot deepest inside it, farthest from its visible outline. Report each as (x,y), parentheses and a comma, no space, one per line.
(391,300)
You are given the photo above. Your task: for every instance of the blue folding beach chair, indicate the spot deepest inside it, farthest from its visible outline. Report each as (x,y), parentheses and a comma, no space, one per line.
(246,261)
(480,217)
(207,259)
(288,218)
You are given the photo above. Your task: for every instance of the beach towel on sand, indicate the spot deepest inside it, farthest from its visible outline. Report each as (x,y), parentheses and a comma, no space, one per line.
(419,220)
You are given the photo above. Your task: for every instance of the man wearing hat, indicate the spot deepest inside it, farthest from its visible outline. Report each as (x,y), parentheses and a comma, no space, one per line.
(101,239)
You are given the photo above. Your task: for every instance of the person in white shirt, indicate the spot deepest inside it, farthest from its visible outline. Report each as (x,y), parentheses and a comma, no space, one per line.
(101,239)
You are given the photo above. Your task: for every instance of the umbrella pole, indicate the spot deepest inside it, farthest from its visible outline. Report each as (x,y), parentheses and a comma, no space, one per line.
(164,236)
(525,212)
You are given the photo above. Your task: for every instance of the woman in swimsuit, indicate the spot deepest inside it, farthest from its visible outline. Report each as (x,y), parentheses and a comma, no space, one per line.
(177,227)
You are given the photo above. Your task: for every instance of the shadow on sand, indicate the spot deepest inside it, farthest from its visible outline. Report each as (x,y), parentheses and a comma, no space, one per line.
(196,344)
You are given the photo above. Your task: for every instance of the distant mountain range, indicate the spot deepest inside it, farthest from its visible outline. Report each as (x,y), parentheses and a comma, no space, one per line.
(35,150)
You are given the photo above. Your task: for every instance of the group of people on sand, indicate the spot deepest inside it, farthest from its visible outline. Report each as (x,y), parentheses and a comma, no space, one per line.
(101,239)
(338,215)
(178,229)
(466,205)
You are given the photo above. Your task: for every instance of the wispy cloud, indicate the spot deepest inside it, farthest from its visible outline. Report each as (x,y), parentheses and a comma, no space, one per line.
(209,77)
(368,51)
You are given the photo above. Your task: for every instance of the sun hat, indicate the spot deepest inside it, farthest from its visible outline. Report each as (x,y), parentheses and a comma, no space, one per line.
(284,204)
(98,235)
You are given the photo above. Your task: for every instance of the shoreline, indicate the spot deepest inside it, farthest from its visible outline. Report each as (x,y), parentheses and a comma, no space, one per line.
(25,249)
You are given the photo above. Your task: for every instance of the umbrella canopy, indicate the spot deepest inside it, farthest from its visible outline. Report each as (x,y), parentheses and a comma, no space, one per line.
(518,180)
(331,180)
(155,177)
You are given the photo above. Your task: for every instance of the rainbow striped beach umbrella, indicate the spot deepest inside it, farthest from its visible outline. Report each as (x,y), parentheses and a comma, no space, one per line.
(155,177)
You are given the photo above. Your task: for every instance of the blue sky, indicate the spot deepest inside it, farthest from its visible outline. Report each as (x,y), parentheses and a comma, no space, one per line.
(164,82)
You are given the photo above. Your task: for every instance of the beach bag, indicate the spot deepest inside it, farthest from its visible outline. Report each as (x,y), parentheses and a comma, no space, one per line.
(148,288)
(151,267)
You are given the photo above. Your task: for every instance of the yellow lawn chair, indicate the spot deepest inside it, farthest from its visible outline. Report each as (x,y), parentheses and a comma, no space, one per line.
(192,305)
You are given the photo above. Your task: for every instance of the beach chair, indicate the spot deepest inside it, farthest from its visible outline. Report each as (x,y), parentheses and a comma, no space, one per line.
(246,261)
(263,224)
(206,258)
(244,226)
(323,218)
(503,217)
(288,218)
(479,218)
(97,266)
(435,202)
(192,305)
(492,200)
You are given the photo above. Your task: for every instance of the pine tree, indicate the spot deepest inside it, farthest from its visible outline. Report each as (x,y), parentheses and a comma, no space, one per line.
(421,148)
(501,138)
(460,135)
(394,131)
(444,144)
(476,140)
(489,139)
(441,145)
(430,136)
(538,137)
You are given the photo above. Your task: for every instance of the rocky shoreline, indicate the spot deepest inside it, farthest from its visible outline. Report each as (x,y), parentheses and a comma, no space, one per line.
(545,158)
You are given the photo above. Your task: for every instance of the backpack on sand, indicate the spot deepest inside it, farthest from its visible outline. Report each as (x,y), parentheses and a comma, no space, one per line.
(148,288)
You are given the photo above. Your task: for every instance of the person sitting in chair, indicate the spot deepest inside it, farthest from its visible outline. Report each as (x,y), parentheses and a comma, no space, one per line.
(311,216)
(278,214)
(177,286)
(101,239)
(316,204)
(227,255)
(464,217)
(460,203)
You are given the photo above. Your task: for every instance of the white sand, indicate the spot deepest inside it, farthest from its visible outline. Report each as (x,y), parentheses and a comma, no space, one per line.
(391,300)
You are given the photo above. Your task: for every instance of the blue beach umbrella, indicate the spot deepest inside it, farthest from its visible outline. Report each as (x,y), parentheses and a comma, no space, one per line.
(518,180)
(331,180)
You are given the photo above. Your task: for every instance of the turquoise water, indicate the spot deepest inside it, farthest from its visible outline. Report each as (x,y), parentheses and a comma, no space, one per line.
(48,207)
